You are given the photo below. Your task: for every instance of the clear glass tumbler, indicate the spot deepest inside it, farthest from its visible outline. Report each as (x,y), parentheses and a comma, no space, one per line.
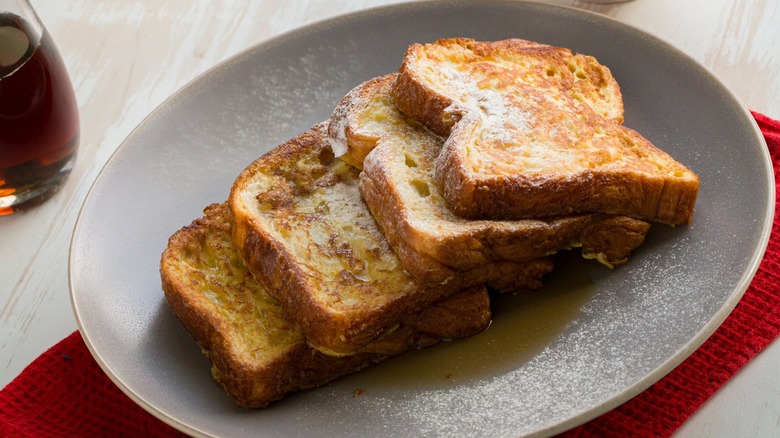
(39,121)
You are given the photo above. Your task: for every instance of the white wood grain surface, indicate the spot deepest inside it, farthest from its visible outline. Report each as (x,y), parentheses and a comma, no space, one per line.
(126,57)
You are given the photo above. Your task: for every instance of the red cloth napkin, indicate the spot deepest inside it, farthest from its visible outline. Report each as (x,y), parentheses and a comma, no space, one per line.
(65,393)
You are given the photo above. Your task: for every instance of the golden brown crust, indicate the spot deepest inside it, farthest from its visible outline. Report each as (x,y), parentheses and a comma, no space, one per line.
(318,250)
(258,356)
(611,240)
(634,191)
(535,131)
(421,103)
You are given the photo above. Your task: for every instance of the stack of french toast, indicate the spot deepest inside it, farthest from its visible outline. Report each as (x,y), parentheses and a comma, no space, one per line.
(383,229)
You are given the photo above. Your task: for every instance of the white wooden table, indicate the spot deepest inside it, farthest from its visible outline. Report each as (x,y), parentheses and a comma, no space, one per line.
(126,57)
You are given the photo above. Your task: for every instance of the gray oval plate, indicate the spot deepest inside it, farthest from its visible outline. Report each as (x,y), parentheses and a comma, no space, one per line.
(590,340)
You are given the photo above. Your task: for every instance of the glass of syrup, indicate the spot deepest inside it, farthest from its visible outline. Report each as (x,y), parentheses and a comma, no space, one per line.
(39,121)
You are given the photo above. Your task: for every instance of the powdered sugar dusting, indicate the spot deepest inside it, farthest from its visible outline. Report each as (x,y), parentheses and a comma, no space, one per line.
(489,107)
(338,134)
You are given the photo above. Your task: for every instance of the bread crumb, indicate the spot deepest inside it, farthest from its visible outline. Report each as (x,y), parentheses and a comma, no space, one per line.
(358,392)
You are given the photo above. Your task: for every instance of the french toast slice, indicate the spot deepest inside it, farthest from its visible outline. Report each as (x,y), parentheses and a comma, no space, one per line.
(397,183)
(257,355)
(304,231)
(534,130)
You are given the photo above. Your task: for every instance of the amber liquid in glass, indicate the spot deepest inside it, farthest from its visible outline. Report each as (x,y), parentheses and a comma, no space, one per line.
(39,124)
